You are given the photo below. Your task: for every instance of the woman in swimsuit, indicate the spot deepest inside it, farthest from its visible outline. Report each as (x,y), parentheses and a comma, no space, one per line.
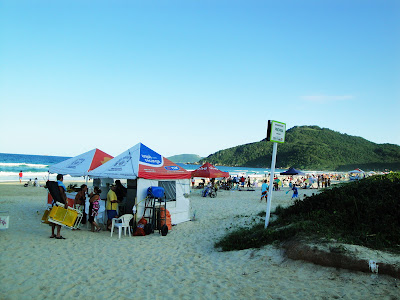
(94,206)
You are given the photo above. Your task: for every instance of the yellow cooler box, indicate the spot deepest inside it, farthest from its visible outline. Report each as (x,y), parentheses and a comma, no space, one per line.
(60,215)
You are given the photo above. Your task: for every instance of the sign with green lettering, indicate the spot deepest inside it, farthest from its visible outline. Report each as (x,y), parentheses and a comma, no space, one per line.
(276,131)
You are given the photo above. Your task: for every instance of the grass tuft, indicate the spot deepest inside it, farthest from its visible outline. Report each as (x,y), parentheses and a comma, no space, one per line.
(365,212)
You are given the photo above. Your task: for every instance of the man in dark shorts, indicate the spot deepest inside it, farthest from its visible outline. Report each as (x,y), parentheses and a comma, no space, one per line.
(111,205)
(62,190)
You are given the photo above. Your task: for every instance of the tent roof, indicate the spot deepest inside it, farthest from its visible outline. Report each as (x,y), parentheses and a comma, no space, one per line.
(140,162)
(292,171)
(80,165)
(357,171)
(209,171)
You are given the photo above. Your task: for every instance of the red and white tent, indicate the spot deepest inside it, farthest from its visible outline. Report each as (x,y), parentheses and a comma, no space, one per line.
(80,165)
(143,168)
(140,162)
(209,171)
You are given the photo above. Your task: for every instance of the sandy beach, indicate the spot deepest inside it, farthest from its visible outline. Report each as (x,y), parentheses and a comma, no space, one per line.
(181,265)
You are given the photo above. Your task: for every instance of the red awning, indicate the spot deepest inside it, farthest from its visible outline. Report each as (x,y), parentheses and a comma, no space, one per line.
(209,171)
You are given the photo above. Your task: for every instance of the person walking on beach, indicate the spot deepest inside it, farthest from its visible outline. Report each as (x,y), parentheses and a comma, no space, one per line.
(242,181)
(264,190)
(62,190)
(295,192)
(20,176)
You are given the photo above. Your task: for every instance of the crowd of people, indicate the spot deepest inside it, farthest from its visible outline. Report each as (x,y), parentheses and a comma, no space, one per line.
(309,181)
(118,192)
(115,195)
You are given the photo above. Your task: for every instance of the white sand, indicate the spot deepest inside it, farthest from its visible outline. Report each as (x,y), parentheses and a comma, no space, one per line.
(182,265)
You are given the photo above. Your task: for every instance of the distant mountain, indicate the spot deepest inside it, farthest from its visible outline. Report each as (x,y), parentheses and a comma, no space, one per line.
(185,158)
(313,148)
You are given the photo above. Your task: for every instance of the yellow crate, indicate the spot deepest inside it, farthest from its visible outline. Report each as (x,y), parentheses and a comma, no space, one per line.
(70,218)
(45,217)
(65,216)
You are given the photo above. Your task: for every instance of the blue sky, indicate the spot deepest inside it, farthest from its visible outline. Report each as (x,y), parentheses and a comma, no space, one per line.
(193,76)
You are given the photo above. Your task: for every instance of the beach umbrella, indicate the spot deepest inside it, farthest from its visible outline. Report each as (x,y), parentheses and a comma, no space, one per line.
(292,171)
(278,181)
(310,180)
(357,171)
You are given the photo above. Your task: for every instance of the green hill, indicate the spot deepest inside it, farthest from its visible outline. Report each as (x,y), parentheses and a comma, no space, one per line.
(313,148)
(185,158)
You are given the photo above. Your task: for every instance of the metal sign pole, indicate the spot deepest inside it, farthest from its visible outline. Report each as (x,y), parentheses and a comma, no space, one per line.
(271,184)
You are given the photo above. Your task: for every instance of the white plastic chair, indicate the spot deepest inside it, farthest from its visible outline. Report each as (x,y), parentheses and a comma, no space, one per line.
(125,219)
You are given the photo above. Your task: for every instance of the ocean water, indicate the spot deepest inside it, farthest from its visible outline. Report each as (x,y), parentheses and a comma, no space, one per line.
(32,166)
(37,166)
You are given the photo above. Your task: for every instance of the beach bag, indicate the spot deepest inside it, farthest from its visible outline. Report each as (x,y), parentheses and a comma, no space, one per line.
(139,231)
(165,218)
(155,192)
(148,229)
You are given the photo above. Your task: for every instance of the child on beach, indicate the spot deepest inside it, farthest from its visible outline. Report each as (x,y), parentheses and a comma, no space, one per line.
(264,190)
(295,192)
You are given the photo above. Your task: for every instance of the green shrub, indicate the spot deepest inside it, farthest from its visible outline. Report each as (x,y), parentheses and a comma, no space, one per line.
(365,212)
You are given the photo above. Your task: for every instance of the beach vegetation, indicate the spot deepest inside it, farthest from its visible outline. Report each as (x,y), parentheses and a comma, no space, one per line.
(313,148)
(364,212)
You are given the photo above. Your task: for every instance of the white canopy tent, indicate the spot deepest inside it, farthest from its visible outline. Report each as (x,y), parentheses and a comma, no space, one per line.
(356,174)
(80,165)
(143,167)
(357,171)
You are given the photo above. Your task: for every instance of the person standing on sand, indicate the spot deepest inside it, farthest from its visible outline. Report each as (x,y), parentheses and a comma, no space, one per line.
(193,182)
(242,181)
(20,176)
(111,205)
(79,202)
(264,190)
(62,189)
(121,192)
(94,209)
(295,192)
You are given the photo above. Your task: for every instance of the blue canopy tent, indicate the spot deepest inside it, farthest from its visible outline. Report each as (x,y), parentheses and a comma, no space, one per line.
(292,171)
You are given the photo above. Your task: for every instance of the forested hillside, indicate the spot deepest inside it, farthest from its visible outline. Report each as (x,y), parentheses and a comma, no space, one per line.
(185,158)
(313,148)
